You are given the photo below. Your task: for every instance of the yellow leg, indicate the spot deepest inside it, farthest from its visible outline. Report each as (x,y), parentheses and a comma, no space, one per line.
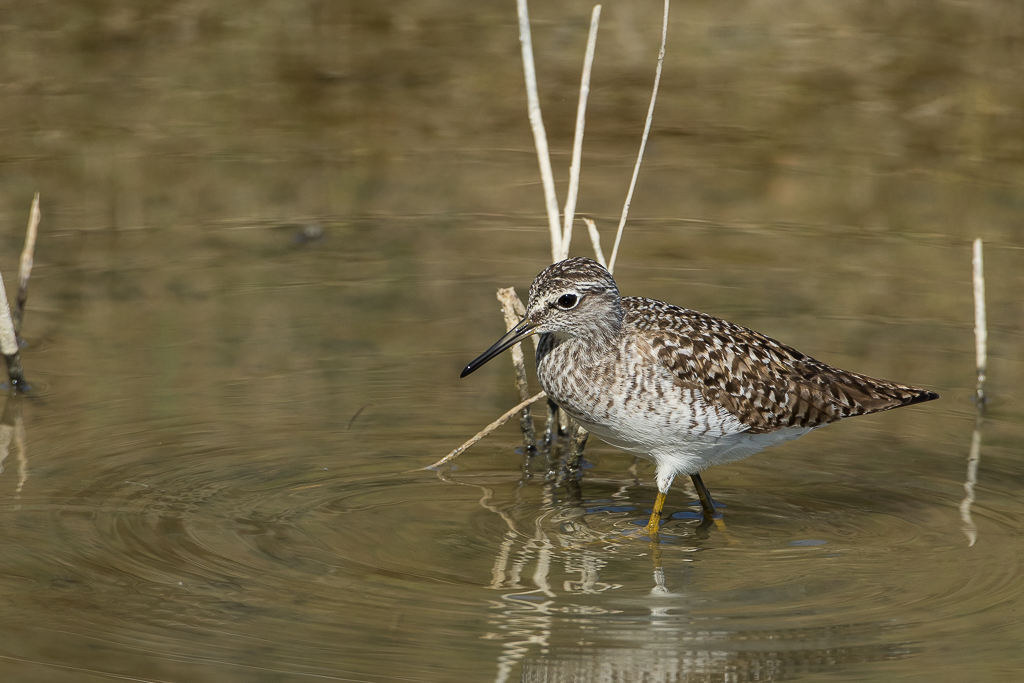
(655,521)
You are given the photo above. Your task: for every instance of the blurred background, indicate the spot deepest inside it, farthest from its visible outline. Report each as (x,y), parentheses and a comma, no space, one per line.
(271,235)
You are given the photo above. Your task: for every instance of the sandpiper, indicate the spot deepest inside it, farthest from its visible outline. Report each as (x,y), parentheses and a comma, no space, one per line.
(681,388)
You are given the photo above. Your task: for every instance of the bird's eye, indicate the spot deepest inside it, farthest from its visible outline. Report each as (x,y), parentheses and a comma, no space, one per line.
(567,301)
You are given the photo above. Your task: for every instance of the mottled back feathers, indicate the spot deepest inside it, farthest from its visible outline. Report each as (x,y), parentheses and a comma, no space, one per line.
(765,384)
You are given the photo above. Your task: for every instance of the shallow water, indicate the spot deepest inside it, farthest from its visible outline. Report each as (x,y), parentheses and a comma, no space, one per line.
(270,245)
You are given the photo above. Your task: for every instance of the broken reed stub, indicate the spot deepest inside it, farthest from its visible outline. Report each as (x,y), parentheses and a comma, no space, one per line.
(9,343)
(510,303)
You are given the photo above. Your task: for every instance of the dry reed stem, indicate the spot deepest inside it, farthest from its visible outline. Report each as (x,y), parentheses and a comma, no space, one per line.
(643,140)
(579,442)
(9,342)
(595,239)
(25,267)
(980,327)
(507,296)
(485,431)
(577,145)
(559,243)
(540,138)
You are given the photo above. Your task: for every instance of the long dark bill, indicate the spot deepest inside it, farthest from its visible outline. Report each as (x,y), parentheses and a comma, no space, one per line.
(521,331)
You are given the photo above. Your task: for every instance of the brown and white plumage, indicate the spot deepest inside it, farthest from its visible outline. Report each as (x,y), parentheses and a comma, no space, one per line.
(679,387)
(765,384)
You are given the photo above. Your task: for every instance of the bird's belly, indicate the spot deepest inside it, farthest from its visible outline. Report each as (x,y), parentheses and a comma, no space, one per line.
(676,446)
(648,414)
(646,428)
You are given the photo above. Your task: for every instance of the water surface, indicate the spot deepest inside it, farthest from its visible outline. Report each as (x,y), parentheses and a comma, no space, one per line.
(271,240)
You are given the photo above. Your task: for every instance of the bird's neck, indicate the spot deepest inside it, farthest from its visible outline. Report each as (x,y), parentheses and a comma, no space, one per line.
(606,330)
(586,346)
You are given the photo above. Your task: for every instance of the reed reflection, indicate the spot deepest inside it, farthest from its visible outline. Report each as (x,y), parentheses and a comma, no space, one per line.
(973,459)
(12,434)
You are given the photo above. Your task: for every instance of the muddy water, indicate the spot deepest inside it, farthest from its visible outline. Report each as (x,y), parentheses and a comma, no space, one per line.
(271,240)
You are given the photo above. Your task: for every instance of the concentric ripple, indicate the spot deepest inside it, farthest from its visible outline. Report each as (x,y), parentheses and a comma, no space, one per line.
(285,553)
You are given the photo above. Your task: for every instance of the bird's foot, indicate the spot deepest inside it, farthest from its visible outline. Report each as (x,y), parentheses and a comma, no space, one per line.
(652,528)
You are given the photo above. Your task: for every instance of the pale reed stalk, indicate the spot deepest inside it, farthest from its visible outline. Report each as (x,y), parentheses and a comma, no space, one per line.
(643,140)
(577,145)
(980,327)
(595,240)
(486,430)
(25,266)
(540,138)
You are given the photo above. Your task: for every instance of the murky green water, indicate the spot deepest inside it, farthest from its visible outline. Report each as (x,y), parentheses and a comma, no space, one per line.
(271,239)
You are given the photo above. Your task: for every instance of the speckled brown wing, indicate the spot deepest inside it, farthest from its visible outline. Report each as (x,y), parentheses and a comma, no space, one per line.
(767,385)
